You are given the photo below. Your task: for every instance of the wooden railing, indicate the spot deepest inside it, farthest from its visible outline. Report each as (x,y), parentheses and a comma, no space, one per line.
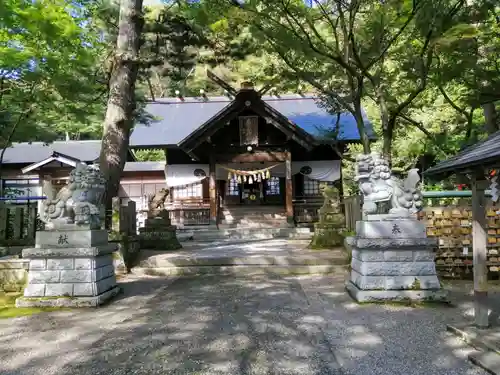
(305,209)
(189,212)
(18,224)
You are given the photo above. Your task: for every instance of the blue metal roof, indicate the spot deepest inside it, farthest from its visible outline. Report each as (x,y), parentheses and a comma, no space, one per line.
(175,119)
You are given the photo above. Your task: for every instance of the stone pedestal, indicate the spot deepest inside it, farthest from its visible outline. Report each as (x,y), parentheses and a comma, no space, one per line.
(159,233)
(70,268)
(328,232)
(393,260)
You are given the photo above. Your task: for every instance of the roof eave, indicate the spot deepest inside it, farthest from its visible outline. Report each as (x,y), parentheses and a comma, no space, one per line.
(152,146)
(56,156)
(193,139)
(487,163)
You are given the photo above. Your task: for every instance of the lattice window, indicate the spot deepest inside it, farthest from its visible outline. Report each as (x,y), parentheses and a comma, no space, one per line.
(273,186)
(188,191)
(311,187)
(233,188)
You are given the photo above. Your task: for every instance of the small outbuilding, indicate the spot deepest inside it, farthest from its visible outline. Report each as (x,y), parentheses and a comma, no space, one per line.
(477,163)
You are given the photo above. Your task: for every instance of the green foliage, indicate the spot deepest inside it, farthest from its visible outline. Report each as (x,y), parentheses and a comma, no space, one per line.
(8,307)
(150,155)
(420,69)
(47,60)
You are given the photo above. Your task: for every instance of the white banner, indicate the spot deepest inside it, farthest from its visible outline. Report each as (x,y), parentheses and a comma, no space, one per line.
(185,174)
(321,170)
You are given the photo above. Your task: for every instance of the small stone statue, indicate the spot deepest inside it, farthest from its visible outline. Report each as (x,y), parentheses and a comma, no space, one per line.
(328,232)
(156,202)
(377,185)
(78,203)
(331,204)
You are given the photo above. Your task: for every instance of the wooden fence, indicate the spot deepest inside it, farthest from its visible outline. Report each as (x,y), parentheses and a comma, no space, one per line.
(352,211)
(305,209)
(190,212)
(18,224)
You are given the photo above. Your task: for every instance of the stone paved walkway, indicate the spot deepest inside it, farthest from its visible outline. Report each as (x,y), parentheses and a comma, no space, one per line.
(235,326)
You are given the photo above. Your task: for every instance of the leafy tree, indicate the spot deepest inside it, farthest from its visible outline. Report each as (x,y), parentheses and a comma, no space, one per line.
(47,60)
(468,71)
(350,51)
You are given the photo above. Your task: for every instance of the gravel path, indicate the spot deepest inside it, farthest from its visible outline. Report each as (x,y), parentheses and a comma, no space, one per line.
(258,325)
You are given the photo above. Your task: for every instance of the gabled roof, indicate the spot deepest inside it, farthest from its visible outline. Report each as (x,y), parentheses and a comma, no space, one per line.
(33,152)
(485,153)
(176,119)
(247,99)
(56,156)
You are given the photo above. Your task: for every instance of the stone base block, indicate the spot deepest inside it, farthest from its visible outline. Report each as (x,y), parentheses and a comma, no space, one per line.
(71,238)
(391,228)
(93,301)
(396,295)
(388,268)
(159,240)
(364,282)
(69,273)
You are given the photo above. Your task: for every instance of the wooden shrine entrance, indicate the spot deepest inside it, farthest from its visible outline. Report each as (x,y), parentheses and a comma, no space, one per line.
(248,131)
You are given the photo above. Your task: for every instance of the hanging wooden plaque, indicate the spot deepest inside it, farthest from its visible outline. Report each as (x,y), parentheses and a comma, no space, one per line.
(249,130)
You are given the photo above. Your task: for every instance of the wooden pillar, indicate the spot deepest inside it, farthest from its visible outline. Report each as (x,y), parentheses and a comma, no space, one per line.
(288,187)
(479,241)
(212,191)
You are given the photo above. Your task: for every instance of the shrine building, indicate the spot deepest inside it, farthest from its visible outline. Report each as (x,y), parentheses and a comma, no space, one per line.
(245,149)
(242,154)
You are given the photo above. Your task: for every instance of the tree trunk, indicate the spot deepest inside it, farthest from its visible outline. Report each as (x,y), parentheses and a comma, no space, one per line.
(388,135)
(121,103)
(490,117)
(358,115)
(388,123)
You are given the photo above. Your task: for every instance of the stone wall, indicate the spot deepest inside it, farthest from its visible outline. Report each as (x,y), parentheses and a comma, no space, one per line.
(13,274)
(13,250)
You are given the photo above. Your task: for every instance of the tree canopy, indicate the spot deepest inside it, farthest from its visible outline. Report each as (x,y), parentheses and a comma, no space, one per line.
(425,72)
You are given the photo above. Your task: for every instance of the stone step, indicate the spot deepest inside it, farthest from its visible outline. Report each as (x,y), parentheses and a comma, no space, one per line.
(254,224)
(253,207)
(227,256)
(238,260)
(254,210)
(250,219)
(488,360)
(241,270)
(254,215)
(250,233)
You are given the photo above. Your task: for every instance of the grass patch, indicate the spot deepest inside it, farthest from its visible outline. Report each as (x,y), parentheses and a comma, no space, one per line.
(8,307)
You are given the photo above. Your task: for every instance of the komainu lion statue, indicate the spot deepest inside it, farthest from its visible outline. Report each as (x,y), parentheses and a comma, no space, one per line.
(377,185)
(78,202)
(156,202)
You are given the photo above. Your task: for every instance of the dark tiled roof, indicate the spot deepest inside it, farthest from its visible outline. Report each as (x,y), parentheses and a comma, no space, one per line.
(144,166)
(176,119)
(482,153)
(27,153)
